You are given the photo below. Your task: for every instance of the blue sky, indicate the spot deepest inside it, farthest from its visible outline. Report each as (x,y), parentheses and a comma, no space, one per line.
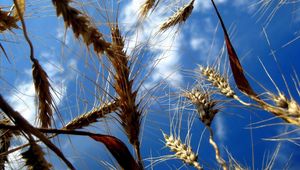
(74,71)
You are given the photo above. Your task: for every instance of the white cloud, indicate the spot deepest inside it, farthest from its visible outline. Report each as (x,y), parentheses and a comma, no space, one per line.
(163,44)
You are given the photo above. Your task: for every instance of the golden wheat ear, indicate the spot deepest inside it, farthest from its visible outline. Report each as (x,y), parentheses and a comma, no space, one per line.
(34,158)
(178,17)
(182,151)
(42,88)
(92,116)
(147,6)
(129,112)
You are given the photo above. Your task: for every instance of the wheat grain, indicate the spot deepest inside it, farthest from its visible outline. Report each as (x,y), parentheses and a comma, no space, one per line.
(182,151)
(178,17)
(34,158)
(91,117)
(81,25)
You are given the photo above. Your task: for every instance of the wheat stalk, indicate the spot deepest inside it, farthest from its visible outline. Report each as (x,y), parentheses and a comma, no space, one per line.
(90,117)
(81,25)
(178,17)
(34,158)
(182,151)
(219,159)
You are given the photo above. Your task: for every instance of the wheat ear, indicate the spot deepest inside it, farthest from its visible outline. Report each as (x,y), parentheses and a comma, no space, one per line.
(220,82)
(91,117)
(146,7)
(42,88)
(178,17)
(7,22)
(34,158)
(81,25)
(204,104)
(128,108)
(182,151)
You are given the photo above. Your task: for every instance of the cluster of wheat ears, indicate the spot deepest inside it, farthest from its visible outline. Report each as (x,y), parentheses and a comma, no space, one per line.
(126,102)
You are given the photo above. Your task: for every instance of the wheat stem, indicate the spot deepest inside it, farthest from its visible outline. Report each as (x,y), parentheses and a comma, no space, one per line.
(219,159)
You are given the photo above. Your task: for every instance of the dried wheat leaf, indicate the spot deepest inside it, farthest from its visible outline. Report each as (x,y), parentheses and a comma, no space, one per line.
(236,67)
(119,150)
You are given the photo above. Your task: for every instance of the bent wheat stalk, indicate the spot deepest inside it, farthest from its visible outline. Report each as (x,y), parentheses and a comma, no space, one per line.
(219,159)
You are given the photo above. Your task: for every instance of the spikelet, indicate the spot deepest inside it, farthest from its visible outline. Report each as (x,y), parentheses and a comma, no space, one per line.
(205,106)
(218,81)
(42,88)
(34,158)
(91,117)
(182,151)
(7,22)
(179,17)
(146,7)
(81,25)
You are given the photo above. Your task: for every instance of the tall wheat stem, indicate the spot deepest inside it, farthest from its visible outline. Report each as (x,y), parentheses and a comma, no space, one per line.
(219,159)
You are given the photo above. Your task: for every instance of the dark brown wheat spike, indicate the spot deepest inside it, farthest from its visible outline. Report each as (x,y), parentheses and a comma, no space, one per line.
(129,114)
(178,17)
(91,117)
(81,25)
(34,158)
(7,22)
(42,88)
